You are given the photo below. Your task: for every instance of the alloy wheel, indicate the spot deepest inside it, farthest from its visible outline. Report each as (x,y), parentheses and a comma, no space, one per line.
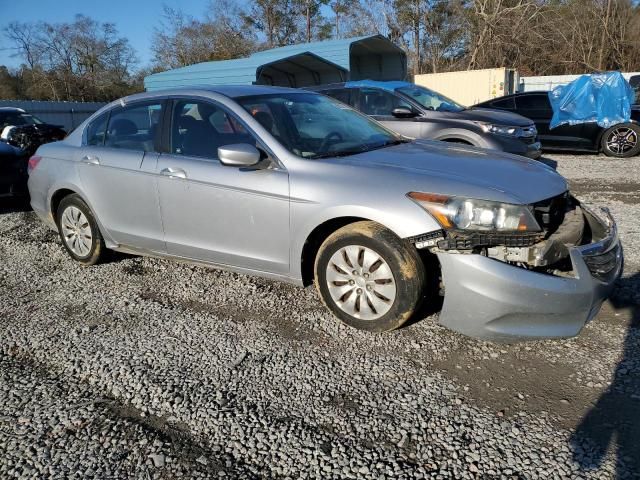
(76,231)
(621,140)
(361,282)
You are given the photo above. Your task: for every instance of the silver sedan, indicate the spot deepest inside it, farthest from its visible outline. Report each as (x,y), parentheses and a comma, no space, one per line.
(294,186)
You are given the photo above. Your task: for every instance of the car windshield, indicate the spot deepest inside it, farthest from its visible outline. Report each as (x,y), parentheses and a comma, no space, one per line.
(430,100)
(314,126)
(17,119)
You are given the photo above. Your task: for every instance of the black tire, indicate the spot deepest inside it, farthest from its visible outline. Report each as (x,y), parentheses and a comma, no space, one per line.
(401,257)
(96,249)
(611,146)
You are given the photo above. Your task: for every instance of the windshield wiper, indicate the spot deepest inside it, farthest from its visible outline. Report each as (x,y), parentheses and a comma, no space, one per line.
(337,153)
(363,149)
(389,143)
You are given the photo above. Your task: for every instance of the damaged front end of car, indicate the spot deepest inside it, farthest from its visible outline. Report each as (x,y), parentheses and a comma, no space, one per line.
(530,282)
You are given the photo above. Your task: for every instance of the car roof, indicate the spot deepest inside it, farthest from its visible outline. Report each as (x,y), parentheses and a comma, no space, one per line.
(231,91)
(12,109)
(513,95)
(390,85)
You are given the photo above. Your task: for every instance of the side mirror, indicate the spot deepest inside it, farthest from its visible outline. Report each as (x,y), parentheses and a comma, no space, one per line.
(238,155)
(404,112)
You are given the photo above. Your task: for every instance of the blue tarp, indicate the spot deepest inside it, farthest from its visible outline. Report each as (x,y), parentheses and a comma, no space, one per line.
(604,98)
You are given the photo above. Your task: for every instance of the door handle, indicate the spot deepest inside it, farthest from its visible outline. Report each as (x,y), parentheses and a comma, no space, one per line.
(90,160)
(174,172)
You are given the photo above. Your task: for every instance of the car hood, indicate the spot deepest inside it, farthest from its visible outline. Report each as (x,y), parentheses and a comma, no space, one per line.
(7,150)
(439,167)
(493,116)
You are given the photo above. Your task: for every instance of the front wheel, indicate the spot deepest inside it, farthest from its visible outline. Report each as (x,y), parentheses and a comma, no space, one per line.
(621,140)
(369,278)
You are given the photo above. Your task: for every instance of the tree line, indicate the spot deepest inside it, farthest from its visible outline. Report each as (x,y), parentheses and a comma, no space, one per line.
(88,60)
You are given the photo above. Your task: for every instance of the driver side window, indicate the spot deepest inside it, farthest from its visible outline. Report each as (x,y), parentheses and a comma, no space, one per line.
(377,102)
(200,127)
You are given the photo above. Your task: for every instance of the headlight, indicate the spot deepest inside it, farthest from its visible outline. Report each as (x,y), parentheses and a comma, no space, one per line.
(499,129)
(471,214)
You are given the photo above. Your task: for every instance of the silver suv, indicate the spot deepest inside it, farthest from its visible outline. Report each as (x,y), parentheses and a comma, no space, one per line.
(295,186)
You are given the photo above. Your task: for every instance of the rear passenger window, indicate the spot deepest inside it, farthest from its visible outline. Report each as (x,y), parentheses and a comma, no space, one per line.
(533,102)
(505,103)
(97,129)
(199,128)
(134,127)
(341,94)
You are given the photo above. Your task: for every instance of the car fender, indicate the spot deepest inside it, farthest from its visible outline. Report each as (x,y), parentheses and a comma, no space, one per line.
(73,184)
(453,134)
(406,219)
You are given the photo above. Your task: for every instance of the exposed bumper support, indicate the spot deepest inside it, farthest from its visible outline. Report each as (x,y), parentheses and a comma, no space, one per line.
(493,300)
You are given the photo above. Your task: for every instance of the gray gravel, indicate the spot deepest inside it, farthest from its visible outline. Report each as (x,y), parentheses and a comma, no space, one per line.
(145,368)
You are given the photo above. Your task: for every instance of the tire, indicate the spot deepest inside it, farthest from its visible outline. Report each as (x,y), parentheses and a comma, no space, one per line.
(621,141)
(79,231)
(389,282)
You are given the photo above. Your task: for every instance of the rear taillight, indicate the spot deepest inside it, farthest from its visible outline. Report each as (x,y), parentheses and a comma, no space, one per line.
(33,163)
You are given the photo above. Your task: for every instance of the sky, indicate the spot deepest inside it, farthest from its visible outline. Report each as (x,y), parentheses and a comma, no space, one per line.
(134,19)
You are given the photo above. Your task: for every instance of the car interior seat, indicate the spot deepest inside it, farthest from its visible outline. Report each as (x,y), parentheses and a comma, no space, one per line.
(120,135)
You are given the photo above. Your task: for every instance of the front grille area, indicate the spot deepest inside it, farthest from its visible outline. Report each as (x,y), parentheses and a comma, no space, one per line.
(528,135)
(466,241)
(550,213)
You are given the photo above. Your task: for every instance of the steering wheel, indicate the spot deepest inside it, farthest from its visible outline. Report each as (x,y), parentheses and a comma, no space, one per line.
(332,137)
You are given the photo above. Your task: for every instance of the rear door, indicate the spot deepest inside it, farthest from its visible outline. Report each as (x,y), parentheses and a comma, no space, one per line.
(216,213)
(116,167)
(379,104)
(537,107)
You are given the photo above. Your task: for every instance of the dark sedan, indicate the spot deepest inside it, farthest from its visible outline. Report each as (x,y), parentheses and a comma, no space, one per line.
(622,140)
(20,136)
(13,171)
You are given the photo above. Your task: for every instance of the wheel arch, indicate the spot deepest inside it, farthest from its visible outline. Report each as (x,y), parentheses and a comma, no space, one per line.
(57,197)
(315,239)
(63,191)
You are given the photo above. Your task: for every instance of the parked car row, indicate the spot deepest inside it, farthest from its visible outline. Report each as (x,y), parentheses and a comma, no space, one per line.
(517,123)
(418,112)
(296,186)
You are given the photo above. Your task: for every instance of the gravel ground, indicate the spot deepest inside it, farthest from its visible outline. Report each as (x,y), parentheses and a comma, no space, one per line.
(145,368)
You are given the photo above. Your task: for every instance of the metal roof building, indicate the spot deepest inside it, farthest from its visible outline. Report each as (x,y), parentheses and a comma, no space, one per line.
(371,57)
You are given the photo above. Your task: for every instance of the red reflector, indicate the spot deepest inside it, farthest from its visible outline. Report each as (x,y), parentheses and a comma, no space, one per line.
(33,163)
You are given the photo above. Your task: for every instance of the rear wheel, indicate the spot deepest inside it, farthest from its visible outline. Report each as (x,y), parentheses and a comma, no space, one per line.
(79,231)
(621,140)
(368,277)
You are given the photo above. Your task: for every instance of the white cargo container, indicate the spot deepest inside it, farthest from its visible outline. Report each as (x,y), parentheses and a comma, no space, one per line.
(469,87)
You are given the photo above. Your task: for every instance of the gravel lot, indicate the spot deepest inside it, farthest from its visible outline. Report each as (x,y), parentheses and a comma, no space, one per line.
(144,368)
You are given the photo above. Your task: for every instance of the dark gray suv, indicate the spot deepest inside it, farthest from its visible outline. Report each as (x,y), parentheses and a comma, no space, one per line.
(418,112)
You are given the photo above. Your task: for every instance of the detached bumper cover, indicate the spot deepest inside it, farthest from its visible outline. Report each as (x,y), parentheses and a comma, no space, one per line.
(493,300)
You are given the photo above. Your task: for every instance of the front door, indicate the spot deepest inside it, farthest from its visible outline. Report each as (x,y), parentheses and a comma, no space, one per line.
(536,106)
(116,167)
(379,104)
(223,215)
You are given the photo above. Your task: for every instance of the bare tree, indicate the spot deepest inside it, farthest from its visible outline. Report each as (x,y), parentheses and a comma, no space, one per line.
(82,60)
(275,19)
(183,40)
